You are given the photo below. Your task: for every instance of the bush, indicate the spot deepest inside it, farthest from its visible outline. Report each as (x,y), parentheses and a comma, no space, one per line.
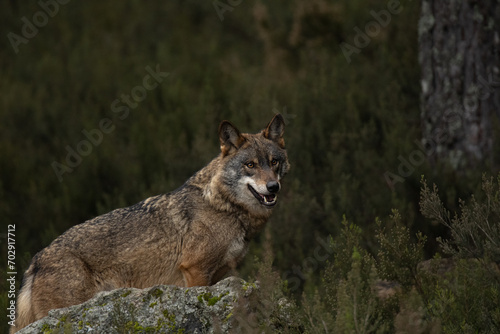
(396,291)
(464,294)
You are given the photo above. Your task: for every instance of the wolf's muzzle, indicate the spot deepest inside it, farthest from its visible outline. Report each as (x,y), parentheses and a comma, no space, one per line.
(273,187)
(267,200)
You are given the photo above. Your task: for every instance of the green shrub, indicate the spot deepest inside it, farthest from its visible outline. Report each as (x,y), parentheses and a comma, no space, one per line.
(398,254)
(350,303)
(475,231)
(396,291)
(463,291)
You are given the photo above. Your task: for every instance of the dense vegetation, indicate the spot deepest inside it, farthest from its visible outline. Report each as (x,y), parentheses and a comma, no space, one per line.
(352,134)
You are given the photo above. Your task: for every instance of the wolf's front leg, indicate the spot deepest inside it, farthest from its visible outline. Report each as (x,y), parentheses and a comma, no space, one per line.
(195,275)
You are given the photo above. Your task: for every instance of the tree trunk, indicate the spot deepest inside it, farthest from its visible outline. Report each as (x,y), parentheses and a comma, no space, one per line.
(459,42)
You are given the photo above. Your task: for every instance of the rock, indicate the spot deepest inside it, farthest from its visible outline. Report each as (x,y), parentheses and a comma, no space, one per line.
(386,289)
(165,309)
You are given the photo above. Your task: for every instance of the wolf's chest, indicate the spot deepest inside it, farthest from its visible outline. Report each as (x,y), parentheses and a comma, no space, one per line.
(236,250)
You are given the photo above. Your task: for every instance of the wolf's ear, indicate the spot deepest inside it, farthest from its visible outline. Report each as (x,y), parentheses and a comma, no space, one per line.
(275,129)
(230,137)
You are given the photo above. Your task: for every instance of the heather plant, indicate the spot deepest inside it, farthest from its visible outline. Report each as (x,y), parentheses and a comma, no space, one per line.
(464,299)
(475,231)
(463,290)
(398,254)
(270,308)
(350,303)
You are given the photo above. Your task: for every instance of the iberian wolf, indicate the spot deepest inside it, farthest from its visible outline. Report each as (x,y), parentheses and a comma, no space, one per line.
(191,236)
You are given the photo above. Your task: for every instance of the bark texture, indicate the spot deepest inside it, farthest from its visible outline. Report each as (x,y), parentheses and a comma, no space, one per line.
(459,54)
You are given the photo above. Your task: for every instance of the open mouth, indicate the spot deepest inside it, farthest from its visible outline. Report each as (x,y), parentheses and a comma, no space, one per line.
(267,200)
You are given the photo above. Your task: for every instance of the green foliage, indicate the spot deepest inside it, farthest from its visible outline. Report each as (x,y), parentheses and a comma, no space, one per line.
(358,309)
(270,308)
(475,232)
(398,256)
(465,299)
(317,314)
(349,283)
(463,291)
(459,294)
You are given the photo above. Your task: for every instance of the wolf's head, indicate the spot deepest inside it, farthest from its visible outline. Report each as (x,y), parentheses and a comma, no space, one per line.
(253,165)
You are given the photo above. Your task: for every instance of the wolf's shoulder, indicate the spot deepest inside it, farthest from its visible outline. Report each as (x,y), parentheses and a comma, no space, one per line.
(143,208)
(141,211)
(151,204)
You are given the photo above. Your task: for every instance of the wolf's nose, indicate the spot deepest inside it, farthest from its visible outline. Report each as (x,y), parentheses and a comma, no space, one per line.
(273,186)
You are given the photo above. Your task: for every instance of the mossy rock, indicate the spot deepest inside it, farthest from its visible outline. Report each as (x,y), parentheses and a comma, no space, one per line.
(166,309)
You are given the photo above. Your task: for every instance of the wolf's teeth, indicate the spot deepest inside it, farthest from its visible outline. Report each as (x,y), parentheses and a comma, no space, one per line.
(269,199)
(264,199)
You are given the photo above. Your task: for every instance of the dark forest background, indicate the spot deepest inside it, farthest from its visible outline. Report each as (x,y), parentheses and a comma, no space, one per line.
(350,122)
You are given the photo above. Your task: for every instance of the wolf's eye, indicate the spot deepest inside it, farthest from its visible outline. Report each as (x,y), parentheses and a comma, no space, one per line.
(274,162)
(250,164)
